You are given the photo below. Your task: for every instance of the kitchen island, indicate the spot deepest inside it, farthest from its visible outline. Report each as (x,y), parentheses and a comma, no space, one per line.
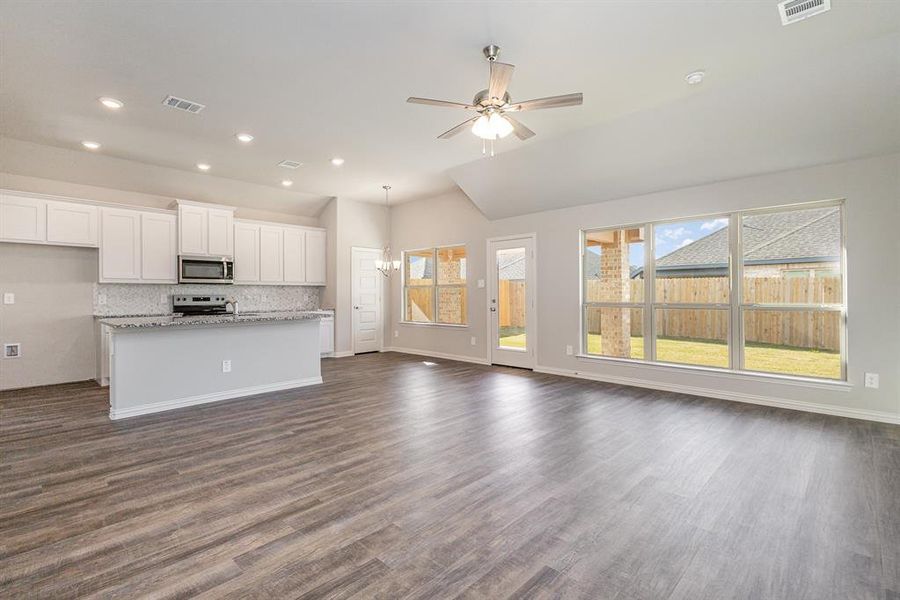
(167,362)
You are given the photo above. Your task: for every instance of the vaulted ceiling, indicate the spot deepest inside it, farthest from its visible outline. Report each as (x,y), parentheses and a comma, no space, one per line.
(314,81)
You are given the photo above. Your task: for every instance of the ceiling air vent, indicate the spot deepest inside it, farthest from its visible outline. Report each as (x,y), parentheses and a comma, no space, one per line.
(290,164)
(792,11)
(182,104)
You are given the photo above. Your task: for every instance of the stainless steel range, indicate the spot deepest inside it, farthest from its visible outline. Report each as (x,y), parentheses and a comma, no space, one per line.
(199,304)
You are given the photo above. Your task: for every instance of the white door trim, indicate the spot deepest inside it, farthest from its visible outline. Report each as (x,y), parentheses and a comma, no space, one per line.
(353,311)
(533,332)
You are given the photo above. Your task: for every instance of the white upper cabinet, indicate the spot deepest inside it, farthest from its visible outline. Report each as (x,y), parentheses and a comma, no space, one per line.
(271,253)
(294,256)
(205,230)
(220,232)
(159,248)
(315,257)
(23,219)
(275,254)
(72,224)
(120,245)
(246,252)
(193,229)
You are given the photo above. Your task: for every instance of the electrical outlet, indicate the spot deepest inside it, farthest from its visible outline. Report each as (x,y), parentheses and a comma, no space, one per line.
(226,366)
(9,298)
(473,341)
(12,350)
(396,333)
(569,350)
(163,299)
(101,299)
(872,380)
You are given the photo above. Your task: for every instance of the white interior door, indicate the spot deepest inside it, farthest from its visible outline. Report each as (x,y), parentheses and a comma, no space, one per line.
(511,302)
(366,295)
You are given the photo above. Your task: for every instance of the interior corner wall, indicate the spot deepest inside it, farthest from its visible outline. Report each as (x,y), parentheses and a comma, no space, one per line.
(448,219)
(350,225)
(870,186)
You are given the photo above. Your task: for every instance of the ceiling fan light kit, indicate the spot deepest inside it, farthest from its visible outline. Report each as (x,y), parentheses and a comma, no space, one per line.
(494,103)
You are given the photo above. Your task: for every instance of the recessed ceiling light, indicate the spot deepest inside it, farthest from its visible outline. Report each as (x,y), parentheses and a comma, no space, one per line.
(337,161)
(203,166)
(90,145)
(244,137)
(695,77)
(111,103)
(287,182)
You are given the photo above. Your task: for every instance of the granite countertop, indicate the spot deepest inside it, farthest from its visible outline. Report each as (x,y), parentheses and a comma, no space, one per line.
(178,321)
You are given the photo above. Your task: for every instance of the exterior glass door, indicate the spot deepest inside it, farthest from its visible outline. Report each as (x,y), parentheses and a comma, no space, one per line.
(510,302)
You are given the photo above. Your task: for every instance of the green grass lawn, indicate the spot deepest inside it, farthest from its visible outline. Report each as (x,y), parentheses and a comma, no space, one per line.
(757,357)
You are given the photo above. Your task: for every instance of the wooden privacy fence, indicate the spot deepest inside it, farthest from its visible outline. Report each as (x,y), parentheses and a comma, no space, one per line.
(801,329)
(511,301)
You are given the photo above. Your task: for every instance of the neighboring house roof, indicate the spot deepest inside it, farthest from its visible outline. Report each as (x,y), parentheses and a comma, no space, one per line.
(810,235)
(512,266)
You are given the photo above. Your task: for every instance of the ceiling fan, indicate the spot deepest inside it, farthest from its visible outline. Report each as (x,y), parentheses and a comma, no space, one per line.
(494,105)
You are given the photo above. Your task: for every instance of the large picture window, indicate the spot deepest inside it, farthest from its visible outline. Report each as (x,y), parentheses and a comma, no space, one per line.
(754,291)
(434,285)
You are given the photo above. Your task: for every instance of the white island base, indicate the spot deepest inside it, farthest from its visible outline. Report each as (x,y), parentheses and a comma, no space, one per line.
(154,369)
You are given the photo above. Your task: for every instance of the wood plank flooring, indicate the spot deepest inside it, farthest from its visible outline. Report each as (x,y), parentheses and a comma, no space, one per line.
(397,479)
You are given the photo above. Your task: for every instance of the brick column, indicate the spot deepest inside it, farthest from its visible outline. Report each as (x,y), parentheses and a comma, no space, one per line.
(615,323)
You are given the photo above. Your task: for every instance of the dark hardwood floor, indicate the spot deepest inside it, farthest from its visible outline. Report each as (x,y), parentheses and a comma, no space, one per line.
(396,479)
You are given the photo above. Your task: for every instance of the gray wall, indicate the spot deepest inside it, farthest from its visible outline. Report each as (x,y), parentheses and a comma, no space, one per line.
(870,186)
(52,314)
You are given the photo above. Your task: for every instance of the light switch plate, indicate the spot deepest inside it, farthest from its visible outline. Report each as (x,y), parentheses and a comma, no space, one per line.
(9,298)
(872,380)
(481,283)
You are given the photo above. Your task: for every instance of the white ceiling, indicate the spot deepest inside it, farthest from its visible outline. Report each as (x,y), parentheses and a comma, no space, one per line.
(312,81)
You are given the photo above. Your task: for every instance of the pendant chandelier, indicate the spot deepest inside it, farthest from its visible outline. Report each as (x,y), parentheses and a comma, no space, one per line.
(387,265)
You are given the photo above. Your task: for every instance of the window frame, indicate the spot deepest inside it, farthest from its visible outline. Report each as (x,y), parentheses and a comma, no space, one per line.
(736,306)
(435,287)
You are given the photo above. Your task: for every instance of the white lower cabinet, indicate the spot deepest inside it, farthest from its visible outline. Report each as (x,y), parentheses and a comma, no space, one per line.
(326,335)
(138,246)
(271,254)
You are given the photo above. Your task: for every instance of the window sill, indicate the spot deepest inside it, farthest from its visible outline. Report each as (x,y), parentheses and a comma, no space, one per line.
(419,324)
(807,382)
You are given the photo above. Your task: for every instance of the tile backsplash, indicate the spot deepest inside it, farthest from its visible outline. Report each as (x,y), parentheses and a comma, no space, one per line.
(120,299)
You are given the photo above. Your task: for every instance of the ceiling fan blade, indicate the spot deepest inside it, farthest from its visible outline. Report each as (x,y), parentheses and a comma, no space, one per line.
(458,129)
(431,102)
(551,102)
(501,75)
(522,132)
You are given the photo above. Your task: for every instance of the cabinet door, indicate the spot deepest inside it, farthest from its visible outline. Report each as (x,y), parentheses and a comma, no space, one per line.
(326,336)
(23,219)
(246,253)
(294,256)
(192,230)
(271,250)
(72,224)
(159,248)
(221,232)
(315,257)
(120,244)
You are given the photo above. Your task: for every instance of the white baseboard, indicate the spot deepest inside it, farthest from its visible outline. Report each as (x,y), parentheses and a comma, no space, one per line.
(147,409)
(342,354)
(825,409)
(429,353)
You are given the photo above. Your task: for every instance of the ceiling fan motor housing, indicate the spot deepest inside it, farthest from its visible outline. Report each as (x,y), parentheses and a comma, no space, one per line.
(482,99)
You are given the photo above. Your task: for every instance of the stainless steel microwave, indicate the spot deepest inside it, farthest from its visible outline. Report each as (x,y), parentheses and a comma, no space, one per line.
(205,269)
